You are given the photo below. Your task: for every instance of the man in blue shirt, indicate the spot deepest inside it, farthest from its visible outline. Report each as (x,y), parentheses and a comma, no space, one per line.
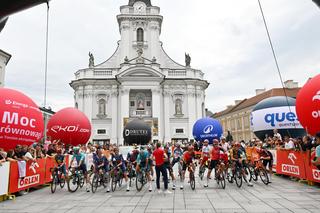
(143,164)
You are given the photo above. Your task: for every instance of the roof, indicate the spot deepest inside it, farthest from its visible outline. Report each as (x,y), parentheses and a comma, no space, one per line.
(7,55)
(245,103)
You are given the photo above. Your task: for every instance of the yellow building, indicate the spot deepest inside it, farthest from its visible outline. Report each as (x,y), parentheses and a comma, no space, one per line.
(236,118)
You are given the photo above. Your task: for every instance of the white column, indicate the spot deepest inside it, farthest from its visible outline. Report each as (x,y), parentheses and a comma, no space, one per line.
(114,111)
(124,113)
(156,107)
(166,116)
(191,111)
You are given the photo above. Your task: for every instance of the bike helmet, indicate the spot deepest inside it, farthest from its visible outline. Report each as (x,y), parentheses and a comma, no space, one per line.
(215,142)
(206,141)
(76,149)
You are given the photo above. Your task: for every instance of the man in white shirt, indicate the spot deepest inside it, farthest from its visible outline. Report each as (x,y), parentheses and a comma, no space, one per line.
(225,146)
(276,134)
(288,143)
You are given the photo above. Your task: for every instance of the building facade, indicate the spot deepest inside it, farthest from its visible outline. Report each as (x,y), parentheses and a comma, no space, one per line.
(140,81)
(236,118)
(4,59)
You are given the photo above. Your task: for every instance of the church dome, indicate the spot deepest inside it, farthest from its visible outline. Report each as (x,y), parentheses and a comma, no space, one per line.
(147,2)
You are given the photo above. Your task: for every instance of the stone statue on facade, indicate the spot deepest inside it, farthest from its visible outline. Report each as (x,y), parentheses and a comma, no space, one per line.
(91,60)
(188,59)
(178,107)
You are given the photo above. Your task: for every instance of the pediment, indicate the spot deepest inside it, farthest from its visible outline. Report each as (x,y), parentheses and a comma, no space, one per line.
(140,72)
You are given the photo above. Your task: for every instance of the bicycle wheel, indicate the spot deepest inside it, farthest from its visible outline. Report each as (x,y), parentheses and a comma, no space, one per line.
(201,172)
(229,175)
(105,180)
(54,182)
(222,180)
(264,176)
(139,181)
(247,173)
(73,183)
(253,173)
(62,181)
(238,177)
(192,181)
(114,183)
(81,179)
(95,182)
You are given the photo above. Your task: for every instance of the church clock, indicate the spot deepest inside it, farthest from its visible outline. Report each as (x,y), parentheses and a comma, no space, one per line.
(140,7)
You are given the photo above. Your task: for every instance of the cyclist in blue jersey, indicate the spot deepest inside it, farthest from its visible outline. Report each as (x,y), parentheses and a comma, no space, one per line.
(143,159)
(80,159)
(118,161)
(101,164)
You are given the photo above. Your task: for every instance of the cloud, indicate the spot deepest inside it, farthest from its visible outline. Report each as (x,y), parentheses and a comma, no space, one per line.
(226,39)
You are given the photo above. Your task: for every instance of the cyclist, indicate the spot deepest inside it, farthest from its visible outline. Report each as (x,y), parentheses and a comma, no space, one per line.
(101,164)
(132,155)
(214,159)
(168,165)
(266,157)
(118,161)
(143,164)
(187,160)
(177,153)
(205,154)
(80,160)
(150,149)
(238,157)
(61,162)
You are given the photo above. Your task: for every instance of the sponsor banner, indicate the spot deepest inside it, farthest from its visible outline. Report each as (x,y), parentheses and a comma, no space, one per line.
(291,163)
(4,178)
(313,173)
(35,175)
(50,164)
(275,118)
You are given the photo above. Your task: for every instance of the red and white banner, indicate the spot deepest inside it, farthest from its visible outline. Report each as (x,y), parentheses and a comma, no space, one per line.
(291,163)
(4,178)
(35,175)
(313,173)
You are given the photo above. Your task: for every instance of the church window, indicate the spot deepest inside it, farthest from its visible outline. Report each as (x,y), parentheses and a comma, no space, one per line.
(132,103)
(140,35)
(181,131)
(102,107)
(148,103)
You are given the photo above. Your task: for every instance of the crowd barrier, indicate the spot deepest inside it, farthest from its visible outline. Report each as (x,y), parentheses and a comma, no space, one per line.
(4,178)
(290,163)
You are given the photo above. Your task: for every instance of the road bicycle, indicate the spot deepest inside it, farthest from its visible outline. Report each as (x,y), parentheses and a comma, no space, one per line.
(57,179)
(141,179)
(75,180)
(116,178)
(100,178)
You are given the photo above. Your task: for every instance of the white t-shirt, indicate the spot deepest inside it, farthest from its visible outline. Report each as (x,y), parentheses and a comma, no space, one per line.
(289,145)
(28,155)
(278,135)
(225,146)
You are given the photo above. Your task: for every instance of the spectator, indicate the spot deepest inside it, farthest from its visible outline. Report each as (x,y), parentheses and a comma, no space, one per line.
(38,151)
(10,155)
(288,143)
(3,156)
(307,143)
(159,157)
(316,160)
(229,137)
(51,150)
(18,153)
(30,154)
(276,134)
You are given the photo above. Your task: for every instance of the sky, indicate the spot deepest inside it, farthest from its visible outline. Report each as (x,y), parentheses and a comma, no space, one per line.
(225,39)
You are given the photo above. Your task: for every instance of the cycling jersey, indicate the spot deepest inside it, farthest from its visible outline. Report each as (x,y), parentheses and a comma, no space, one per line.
(234,154)
(117,159)
(206,151)
(142,157)
(132,156)
(59,159)
(187,157)
(177,152)
(79,157)
(215,153)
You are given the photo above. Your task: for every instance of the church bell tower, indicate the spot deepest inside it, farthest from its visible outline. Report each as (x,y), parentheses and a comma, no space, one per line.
(140,28)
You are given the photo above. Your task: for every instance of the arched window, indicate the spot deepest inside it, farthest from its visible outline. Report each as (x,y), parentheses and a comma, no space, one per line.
(102,107)
(140,35)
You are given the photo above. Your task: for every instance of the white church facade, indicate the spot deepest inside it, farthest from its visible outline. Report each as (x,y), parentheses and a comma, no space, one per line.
(140,81)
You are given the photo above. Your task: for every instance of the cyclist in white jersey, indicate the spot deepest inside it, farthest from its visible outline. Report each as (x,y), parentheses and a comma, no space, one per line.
(205,152)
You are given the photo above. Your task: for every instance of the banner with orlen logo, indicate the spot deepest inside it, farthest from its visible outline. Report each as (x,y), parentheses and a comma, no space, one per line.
(275,118)
(291,163)
(21,121)
(35,175)
(313,173)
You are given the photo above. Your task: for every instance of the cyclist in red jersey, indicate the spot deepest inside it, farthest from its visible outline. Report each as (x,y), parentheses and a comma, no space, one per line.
(215,157)
(187,160)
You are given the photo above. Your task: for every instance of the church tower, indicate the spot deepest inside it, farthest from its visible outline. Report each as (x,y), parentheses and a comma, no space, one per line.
(140,81)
